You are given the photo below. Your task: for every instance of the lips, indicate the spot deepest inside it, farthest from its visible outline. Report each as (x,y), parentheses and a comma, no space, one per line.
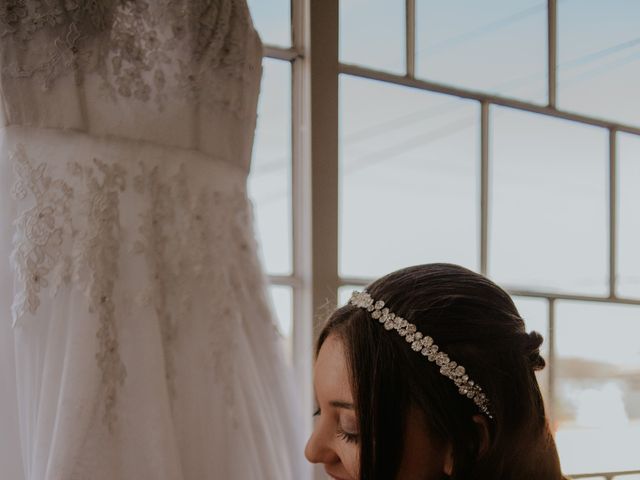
(334,476)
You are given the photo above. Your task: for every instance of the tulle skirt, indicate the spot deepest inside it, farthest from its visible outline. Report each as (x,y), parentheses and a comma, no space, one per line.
(137,338)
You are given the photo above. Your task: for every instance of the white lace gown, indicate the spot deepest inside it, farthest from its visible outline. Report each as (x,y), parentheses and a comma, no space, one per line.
(137,339)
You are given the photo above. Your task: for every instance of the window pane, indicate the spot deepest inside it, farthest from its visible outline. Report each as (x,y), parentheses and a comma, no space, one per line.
(549,215)
(372,34)
(272,19)
(494,45)
(599,58)
(408,178)
(628,217)
(270,179)
(535,313)
(282,298)
(344,293)
(598,404)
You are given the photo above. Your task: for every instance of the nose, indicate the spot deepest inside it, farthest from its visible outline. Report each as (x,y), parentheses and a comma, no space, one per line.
(318,449)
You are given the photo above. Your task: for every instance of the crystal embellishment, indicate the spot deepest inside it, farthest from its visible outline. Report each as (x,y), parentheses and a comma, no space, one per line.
(424,345)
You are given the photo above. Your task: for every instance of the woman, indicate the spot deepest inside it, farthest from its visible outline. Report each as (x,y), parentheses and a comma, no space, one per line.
(429,374)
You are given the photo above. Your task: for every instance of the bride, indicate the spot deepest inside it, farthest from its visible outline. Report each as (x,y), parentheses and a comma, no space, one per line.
(429,374)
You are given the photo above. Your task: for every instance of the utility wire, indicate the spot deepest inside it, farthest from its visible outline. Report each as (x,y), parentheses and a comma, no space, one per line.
(483,30)
(446,107)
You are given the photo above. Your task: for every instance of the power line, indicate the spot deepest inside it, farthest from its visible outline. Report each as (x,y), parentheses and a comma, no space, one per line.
(394,123)
(509,84)
(466,122)
(462,124)
(594,72)
(589,57)
(279,162)
(276,163)
(483,30)
(410,144)
(513,83)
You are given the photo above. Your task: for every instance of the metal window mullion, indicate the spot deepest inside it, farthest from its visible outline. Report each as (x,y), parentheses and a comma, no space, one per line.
(551,339)
(359,281)
(552,55)
(323,73)
(410,40)
(292,281)
(302,333)
(574,297)
(484,187)
(394,79)
(362,281)
(613,211)
(323,27)
(279,53)
(607,475)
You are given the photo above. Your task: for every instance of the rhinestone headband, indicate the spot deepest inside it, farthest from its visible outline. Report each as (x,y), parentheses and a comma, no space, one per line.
(423,344)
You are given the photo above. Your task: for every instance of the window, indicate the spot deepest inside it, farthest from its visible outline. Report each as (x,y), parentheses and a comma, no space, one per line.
(271,170)
(508,135)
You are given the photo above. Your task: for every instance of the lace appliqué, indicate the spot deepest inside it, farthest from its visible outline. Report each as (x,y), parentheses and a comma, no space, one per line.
(69,24)
(195,239)
(184,235)
(96,256)
(141,49)
(48,229)
(156,245)
(40,232)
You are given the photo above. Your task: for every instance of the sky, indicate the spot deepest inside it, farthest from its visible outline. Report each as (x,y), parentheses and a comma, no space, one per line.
(409,179)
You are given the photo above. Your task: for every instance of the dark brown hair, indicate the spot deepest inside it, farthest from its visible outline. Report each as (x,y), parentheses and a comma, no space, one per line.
(477,324)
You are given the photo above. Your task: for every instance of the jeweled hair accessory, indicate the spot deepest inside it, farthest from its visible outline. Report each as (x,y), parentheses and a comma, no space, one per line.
(423,344)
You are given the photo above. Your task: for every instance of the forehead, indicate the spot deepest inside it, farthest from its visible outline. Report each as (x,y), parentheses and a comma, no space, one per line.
(331,374)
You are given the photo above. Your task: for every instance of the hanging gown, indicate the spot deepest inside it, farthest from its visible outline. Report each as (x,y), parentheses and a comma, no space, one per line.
(137,337)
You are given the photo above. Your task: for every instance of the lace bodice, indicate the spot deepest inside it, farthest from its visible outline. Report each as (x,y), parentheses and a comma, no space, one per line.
(182,73)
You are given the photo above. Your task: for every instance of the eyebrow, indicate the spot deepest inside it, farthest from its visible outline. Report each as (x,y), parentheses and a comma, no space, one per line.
(345,405)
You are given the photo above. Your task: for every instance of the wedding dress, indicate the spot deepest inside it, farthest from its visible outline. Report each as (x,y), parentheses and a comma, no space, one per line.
(137,338)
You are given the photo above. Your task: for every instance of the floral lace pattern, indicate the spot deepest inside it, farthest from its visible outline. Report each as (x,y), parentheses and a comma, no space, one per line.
(182,265)
(69,235)
(40,228)
(71,24)
(42,245)
(96,253)
(156,246)
(142,49)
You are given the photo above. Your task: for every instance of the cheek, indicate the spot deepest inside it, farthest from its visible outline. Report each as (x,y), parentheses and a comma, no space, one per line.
(350,457)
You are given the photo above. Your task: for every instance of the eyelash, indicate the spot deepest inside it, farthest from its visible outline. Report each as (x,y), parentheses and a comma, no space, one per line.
(347,437)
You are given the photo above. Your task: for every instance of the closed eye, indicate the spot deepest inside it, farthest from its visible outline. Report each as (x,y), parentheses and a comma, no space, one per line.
(347,436)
